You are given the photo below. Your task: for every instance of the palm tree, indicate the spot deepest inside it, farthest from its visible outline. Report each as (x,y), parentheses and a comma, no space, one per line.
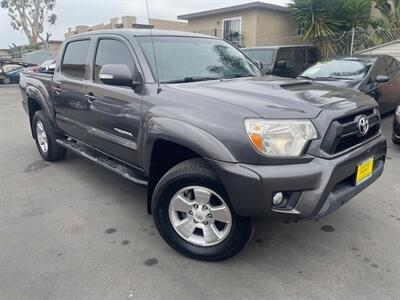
(316,17)
(320,18)
(356,13)
(390,10)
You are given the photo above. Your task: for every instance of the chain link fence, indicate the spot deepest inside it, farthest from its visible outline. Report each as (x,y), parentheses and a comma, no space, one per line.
(355,41)
(343,43)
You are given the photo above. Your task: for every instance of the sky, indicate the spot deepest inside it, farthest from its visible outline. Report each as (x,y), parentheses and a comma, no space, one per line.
(91,12)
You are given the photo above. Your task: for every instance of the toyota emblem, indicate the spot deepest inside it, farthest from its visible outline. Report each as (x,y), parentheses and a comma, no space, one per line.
(363,125)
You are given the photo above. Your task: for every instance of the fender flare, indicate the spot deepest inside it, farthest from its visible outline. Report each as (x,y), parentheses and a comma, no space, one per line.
(36,95)
(184,134)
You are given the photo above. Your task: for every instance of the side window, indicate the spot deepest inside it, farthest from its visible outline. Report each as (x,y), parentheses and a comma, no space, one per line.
(312,56)
(75,58)
(299,56)
(379,69)
(284,54)
(112,52)
(392,66)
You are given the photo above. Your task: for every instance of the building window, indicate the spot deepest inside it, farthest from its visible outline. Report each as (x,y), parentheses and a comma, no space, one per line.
(231,30)
(301,31)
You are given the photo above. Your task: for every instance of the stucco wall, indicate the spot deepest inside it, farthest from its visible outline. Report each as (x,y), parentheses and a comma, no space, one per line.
(170,25)
(259,26)
(276,28)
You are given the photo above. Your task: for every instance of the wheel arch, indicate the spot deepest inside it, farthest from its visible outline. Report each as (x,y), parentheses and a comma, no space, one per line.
(35,102)
(168,142)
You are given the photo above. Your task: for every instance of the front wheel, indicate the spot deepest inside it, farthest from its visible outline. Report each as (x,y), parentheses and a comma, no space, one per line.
(6,80)
(193,214)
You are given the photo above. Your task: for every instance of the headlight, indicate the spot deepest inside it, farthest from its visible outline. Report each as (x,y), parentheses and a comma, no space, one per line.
(280,138)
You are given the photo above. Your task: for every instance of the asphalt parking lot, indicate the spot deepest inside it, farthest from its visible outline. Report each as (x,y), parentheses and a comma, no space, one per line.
(72,230)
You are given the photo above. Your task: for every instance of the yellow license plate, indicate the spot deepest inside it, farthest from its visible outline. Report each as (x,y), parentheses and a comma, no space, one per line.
(364,170)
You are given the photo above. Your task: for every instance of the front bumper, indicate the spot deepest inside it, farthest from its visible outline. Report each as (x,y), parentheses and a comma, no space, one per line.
(320,186)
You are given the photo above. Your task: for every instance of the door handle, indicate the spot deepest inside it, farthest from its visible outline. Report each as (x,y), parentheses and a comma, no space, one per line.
(57,90)
(90,98)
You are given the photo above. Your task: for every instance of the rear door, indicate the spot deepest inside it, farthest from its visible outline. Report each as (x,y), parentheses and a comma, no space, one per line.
(114,114)
(69,81)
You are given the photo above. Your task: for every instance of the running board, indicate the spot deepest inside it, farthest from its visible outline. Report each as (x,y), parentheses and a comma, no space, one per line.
(103,160)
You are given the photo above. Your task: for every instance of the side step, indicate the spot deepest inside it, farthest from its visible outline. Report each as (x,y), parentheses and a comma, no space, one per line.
(99,158)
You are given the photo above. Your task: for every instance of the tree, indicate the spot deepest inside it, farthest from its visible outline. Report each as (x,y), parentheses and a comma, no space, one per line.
(315,16)
(320,18)
(30,17)
(390,10)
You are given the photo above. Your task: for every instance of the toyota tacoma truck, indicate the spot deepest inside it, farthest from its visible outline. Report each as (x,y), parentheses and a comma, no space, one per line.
(217,144)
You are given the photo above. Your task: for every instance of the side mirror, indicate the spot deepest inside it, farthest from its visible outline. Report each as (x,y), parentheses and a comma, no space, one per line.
(116,75)
(50,69)
(282,64)
(381,79)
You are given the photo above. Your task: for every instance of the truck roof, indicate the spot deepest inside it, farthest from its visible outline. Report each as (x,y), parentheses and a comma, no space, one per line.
(142,32)
(279,47)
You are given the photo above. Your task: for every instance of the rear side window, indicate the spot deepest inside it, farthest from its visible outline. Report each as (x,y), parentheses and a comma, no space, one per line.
(312,56)
(284,54)
(112,52)
(300,56)
(75,58)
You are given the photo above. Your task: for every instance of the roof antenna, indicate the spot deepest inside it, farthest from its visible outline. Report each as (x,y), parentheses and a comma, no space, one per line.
(154,51)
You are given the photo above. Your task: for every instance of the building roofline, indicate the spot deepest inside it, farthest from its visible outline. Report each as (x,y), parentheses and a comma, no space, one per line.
(256,4)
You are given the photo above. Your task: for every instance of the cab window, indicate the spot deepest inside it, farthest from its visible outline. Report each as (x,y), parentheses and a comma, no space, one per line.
(110,51)
(75,59)
(392,67)
(299,56)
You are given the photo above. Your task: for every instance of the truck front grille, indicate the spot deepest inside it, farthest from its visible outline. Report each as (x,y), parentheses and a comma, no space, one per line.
(344,133)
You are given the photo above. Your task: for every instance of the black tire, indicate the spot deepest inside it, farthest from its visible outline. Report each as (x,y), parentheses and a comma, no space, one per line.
(196,172)
(395,140)
(54,151)
(6,80)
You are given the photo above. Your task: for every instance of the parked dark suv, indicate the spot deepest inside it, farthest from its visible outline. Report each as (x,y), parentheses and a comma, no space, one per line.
(215,142)
(284,61)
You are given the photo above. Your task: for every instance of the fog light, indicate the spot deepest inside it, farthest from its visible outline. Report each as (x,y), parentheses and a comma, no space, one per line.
(277,199)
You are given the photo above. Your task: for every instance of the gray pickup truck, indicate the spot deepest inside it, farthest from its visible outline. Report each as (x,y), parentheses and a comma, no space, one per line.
(216,143)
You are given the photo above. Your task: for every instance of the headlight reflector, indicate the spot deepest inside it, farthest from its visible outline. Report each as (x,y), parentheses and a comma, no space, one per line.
(280,138)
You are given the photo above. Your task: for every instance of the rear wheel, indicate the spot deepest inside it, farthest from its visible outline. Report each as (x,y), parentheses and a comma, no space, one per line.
(6,80)
(194,216)
(46,138)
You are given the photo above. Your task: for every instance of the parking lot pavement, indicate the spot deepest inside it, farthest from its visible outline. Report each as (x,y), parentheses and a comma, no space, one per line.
(72,230)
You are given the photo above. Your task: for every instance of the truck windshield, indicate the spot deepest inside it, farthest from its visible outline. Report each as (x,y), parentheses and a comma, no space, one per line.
(188,59)
(337,69)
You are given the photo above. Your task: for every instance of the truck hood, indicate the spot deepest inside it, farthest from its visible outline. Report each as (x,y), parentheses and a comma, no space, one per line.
(275,97)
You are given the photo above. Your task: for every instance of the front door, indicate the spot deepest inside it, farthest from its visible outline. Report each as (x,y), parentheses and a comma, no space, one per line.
(70,103)
(114,113)
(379,91)
(394,83)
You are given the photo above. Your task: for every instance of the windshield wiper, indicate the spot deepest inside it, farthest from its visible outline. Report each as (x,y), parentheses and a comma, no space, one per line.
(191,79)
(237,76)
(306,77)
